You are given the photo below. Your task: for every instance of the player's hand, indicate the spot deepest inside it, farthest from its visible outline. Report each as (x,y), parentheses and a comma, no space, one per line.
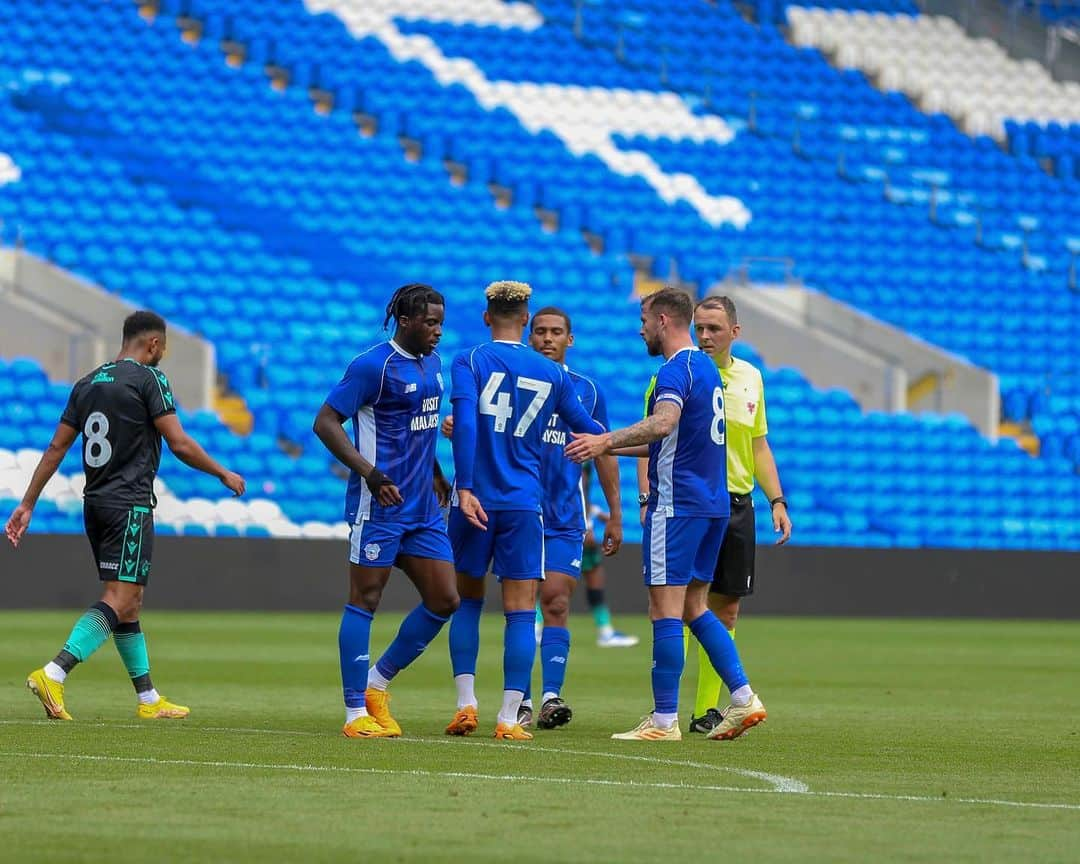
(383,489)
(781,524)
(471,509)
(447,427)
(18,523)
(612,537)
(585,447)
(442,490)
(590,539)
(234,483)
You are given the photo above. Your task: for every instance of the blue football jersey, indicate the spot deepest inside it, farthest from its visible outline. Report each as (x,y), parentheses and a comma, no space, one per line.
(688,468)
(393,399)
(564,497)
(504,395)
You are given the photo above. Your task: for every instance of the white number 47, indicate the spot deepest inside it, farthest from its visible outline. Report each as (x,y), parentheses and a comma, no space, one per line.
(497,403)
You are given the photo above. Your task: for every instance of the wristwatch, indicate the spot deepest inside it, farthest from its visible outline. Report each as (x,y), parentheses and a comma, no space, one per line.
(642,499)
(780,499)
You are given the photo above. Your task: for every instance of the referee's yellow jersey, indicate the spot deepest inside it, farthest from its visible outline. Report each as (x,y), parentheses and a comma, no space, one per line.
(744,420)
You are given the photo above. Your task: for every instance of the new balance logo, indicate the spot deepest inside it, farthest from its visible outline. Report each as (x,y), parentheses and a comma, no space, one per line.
(410,388)
(559,660)
(576,562)
(360,657)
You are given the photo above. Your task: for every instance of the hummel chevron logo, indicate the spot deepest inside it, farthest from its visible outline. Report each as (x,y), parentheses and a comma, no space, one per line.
(134,529)
(132,546)
(130,567)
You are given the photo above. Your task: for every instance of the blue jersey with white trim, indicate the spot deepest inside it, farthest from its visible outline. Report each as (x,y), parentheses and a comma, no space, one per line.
(393,399)
(564,497)
(504,395)
(688,468)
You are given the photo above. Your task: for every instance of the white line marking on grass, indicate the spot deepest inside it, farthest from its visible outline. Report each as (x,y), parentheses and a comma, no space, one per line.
(563,781)
(779,782)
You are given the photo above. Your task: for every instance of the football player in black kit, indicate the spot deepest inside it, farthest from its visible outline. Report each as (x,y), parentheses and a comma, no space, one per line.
(123,409)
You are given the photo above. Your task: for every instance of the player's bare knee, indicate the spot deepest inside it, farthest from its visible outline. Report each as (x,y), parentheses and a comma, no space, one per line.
(444,604)
(556,609)
(726,608)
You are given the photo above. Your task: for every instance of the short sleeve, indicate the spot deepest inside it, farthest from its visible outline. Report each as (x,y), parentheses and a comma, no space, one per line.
(761,426)
(463,379)
(70,417)
(673,383)
(570,409)
(158,394)
(359,386)
(599,411)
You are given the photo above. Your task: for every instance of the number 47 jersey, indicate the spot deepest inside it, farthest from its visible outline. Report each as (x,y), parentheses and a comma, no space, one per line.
(504,395)
(114,407)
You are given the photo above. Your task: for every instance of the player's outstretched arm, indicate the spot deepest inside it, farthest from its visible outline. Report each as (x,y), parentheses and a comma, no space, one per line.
(50,460)
(659,424)
(191,453)
(328,428)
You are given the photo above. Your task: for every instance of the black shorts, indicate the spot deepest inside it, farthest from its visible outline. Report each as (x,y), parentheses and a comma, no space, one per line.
(122,540)
(734,573)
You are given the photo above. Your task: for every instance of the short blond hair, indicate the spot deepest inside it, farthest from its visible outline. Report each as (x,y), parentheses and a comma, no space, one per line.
(508,291)
(506,299)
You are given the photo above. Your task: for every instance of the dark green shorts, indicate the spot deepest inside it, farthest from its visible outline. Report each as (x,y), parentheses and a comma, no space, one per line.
(122,541)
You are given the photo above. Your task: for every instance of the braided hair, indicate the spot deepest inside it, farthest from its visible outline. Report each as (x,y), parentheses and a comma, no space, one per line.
(411,300)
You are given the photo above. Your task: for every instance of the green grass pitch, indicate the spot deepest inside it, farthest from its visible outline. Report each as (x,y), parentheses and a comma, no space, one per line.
(909,740)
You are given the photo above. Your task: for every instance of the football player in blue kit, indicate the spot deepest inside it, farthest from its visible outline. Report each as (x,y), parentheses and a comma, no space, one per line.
(503,396)
(565,515)
(391,392)
(686,515)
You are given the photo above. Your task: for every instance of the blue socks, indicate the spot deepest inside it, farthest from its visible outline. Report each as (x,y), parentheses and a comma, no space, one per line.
(465,636)
(354,638)
(519,649)
(554,654)
(415,634)
(720,647)
(668,660)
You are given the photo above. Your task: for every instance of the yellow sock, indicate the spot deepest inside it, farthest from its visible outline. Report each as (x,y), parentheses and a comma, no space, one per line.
(685,642)
(709,683)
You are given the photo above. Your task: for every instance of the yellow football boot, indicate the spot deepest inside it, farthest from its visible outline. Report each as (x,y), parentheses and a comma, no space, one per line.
(378,706)
(646,730)
(511,732)
(364,727)
(51,694)
(163,709)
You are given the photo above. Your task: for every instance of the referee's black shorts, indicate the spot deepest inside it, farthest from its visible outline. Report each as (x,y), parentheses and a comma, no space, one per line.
(734,573)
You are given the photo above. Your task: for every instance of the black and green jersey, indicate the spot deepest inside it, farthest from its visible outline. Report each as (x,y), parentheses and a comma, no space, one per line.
(114,407)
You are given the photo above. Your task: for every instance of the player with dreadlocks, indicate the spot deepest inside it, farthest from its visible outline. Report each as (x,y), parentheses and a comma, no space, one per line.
(392,393)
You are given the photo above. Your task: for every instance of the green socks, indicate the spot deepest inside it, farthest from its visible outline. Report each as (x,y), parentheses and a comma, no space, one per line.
(91,631)
(131,646)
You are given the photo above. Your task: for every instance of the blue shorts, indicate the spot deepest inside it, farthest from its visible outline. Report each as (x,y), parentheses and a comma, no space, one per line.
(514,540)
(562,552)
(678,549)
(378,544)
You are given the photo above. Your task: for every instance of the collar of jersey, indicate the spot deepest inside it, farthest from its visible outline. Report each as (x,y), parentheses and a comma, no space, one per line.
(508,342)
(402,351)
(687,348)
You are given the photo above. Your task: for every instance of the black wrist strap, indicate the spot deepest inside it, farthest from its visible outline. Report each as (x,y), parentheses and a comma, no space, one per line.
(779,499)
(375,479)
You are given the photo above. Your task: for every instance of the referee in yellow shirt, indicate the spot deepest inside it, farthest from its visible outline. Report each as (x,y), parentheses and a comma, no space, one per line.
(749,458)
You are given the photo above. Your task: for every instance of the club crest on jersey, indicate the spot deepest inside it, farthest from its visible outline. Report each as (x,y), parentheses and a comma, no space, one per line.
(751,407)
(371,551)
